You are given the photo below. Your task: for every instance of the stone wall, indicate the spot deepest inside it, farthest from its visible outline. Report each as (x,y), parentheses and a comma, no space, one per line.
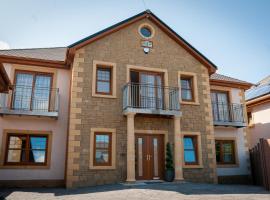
(86,111)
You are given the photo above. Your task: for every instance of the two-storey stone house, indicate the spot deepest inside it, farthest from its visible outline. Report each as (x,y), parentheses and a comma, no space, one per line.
(103,109)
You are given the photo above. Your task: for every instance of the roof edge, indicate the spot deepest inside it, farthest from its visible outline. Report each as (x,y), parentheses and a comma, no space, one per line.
(258,100)
(32,61)
(171,33)
(108,28)
(231,84)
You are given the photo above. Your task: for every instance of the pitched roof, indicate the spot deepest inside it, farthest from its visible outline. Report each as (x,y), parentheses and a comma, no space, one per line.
(221,77)
(259,90)
(65,55)
(149,15)
(51,54)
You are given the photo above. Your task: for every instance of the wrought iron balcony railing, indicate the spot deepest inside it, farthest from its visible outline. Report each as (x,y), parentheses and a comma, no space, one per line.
(228,114)
(28,100)
(151,99)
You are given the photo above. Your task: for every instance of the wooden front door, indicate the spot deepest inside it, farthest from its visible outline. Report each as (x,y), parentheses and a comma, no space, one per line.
(149,157)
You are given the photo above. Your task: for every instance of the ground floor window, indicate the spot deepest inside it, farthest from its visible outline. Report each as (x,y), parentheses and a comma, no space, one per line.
(103,149)
(26,149)
(191,150)
(225,151)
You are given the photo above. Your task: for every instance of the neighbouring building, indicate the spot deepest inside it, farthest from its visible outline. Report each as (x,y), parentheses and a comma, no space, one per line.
(102,110)
(258,109)
(230,128)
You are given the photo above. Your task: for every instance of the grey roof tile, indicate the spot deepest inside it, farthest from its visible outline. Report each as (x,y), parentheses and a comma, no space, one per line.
(221,77)
(53,54)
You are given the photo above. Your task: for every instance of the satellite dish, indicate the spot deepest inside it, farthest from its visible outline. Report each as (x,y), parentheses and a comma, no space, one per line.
(146,50)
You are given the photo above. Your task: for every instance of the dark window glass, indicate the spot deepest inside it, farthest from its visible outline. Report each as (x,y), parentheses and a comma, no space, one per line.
(190,151)
(146,32)
(103,80)
(102,154)
(186,89)
(225,152)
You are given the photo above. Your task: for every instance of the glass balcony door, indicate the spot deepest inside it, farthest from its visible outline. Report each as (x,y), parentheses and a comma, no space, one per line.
(220,105)
(32,91)
(147,90)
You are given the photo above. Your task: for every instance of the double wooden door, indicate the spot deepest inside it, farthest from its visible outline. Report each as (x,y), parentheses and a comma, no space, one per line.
(149,156)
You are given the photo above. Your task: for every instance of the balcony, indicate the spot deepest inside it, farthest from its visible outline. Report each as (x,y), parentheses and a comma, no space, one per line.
(150,99)
(26,100)
(225,114)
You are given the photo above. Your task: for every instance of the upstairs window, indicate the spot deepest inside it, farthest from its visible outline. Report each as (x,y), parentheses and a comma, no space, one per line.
(104,80)
(26,149)
(221,106)
(32,91)
(187,90)
(146,31)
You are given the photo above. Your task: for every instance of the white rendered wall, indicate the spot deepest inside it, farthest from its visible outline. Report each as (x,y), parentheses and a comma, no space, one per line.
(238,134)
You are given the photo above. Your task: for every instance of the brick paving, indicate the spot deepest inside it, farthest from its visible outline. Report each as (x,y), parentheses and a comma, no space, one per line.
(157,191)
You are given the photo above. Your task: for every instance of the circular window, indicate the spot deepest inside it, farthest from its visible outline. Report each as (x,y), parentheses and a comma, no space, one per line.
(146,32)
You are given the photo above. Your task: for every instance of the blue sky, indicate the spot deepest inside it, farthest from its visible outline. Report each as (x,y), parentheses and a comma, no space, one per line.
(234,34)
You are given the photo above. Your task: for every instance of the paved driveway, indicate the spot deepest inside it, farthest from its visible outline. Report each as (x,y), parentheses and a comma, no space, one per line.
(157,191)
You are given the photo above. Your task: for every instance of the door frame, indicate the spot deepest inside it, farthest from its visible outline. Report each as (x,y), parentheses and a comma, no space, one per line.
(155,84)
(155,132)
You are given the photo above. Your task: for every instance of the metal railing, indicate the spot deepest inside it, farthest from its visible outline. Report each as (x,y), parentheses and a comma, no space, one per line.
(28,98)
(224,112)
(145,96)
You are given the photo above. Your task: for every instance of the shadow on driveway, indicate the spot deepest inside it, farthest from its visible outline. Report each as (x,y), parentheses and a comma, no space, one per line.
(180,188)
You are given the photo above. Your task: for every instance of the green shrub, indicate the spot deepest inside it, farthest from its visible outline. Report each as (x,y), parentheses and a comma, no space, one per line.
(169,157)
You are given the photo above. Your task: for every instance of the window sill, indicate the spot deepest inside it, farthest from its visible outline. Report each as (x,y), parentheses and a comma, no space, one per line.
(102,167)
(190,103)
(227,165)
(104,96)
(25,167)
(192,166)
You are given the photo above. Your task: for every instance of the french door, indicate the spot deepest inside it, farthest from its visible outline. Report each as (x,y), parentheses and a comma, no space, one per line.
(220,105)
(147,89)
(149,157)
(32,91)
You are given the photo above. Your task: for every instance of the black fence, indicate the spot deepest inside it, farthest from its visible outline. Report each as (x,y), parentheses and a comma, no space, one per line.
(28,98)
(146,96)
(224,112)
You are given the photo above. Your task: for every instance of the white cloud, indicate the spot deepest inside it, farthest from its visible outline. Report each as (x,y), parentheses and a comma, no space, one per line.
(4,45)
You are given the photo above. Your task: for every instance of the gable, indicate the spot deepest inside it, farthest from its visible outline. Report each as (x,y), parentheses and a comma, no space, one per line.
(155,20)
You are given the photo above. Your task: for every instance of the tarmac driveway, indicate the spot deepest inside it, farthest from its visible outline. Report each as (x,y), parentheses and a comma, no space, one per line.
(156,191)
